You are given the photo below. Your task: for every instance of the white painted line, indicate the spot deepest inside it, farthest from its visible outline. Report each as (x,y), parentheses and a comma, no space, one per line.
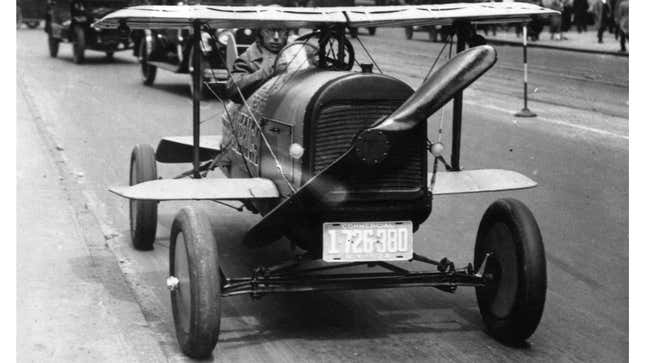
(555,122)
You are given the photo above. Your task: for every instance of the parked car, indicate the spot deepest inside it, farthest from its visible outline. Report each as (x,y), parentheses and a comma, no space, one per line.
(171,49)
(71,21)
(30,12)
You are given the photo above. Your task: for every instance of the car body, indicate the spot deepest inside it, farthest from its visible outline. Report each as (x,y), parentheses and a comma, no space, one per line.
(339,162)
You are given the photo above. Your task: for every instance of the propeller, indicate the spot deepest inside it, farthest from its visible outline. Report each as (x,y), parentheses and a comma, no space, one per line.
(372,145)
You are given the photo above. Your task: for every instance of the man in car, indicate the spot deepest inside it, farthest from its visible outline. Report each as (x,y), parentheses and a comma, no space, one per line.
(256,64)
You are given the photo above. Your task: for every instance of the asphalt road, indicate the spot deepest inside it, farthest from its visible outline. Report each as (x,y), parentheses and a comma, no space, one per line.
(577,149)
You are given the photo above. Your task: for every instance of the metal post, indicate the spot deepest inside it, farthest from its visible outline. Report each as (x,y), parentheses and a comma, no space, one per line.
(525,111)
(197,94)
(457,104)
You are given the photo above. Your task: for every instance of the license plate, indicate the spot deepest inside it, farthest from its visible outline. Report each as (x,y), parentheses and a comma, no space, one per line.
(367,241)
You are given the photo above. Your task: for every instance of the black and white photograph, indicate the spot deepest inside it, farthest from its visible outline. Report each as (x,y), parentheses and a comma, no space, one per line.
(322,181)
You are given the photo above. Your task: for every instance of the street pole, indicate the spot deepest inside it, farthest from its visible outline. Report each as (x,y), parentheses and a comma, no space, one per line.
(525,111)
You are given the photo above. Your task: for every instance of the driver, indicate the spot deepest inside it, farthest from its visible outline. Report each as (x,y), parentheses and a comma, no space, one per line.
(256,64)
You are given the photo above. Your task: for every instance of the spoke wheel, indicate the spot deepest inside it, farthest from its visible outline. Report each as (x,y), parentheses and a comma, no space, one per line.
(512,302)
(79,44)
(143,213)
(196,298)
(148,72)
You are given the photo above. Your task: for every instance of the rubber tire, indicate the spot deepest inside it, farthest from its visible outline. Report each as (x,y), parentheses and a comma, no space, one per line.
(371,30)
(409,32)
(143,213)
(53,44)
(197,335)
(33,24)
(148,72)
(432,35)
(109,55)
(522,267)
(353,32)
(79,44)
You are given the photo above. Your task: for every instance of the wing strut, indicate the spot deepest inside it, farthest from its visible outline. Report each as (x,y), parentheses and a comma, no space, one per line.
(197,94)
(457,104)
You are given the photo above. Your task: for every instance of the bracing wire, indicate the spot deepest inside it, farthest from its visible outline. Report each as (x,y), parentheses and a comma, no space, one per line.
(257,124)
(369,55)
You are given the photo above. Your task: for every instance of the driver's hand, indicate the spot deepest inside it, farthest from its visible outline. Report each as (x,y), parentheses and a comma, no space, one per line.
(267,64)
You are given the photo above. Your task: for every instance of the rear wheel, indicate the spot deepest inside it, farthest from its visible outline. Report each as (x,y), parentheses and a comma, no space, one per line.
(109,55)
(33,24)
(371,30)
(409,32)
(148,72)
(512,301)
(143,213)
(53,45)
(194,283)
(79,44)
(353,32)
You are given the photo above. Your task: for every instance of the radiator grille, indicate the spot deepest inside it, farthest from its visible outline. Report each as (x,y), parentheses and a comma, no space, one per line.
(334,131)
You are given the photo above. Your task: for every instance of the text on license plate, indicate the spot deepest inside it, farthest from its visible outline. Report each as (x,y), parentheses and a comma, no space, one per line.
(367,241)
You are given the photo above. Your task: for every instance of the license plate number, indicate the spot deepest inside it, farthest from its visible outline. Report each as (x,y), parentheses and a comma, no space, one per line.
(367,241)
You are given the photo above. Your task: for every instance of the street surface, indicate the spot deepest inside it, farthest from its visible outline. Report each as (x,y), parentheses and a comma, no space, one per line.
(577,150)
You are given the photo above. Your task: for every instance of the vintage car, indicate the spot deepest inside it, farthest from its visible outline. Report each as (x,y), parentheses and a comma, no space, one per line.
(171,49)
(340,163)
(30,12)
(435,32)
(71,21)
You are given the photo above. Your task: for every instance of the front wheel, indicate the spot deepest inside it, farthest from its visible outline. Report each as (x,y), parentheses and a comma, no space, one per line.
(194,283)
(53,44)
(79,44)
(512,301)
(409,32)
(148,72)
(143,213)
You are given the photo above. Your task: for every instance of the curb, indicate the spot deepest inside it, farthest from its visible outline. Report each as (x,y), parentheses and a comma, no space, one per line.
(556,47)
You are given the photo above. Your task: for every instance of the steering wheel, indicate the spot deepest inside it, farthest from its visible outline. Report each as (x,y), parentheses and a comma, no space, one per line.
(296,56)
(335,51)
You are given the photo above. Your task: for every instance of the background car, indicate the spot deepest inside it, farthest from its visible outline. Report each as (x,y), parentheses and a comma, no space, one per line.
(71,21)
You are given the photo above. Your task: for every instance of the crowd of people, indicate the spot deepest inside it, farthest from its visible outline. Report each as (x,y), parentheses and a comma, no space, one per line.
(605,15)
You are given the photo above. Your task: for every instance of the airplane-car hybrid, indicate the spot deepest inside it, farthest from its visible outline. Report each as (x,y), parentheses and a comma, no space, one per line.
(338,162)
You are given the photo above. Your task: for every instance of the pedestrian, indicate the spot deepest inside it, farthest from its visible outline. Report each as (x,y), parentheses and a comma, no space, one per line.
(567,12)
(622,21)
(555,21)
(602,12)
(580,14)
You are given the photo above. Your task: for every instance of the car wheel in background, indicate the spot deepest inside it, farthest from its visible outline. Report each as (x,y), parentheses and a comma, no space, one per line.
(143,213)
(79,44)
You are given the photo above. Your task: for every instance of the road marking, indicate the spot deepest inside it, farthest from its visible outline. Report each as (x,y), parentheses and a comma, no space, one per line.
(554,121)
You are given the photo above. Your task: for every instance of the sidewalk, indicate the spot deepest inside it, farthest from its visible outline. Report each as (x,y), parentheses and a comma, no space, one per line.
(72,302)
(572,41)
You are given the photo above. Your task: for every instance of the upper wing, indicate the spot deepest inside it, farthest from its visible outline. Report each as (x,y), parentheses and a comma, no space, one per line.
(150,17)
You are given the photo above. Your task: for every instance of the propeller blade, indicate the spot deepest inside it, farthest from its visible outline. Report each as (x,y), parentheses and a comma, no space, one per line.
(457,74)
